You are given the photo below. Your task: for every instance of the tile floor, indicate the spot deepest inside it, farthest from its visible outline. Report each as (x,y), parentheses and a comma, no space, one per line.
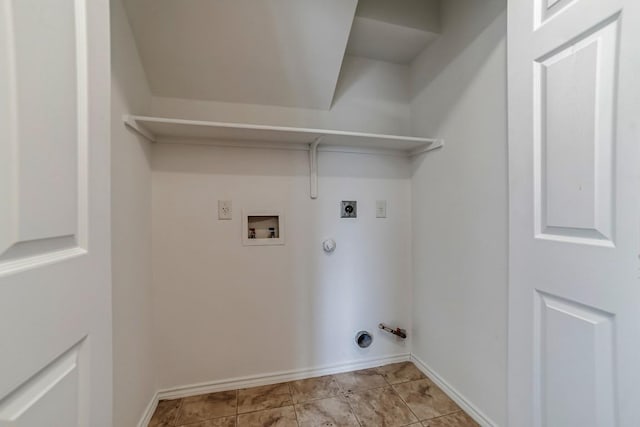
(391,395)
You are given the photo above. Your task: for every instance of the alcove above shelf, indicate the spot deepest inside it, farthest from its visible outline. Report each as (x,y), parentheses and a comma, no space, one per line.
(179,130)
(160,129)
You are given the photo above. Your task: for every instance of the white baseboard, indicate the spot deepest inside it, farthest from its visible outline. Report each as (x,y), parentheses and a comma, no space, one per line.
(457,397)
(265,379)
(298,374)
(149,410)
(276,377)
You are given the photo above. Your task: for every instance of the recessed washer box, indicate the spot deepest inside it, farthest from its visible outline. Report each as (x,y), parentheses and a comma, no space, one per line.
(262,228)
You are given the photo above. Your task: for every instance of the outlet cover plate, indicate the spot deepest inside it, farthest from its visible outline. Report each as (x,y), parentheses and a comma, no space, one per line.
(225,209)
(348,209)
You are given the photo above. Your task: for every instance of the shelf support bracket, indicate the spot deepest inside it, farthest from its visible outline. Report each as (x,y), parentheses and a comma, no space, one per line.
(313,167)
(437,143)
(132,124)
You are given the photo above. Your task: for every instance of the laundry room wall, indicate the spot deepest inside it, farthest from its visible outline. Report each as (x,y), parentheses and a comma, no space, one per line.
(134,373)
(223,310)
(459,198)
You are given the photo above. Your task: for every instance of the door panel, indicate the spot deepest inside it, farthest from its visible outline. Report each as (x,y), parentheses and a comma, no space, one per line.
(56,390)
(574,189)
(46,75)
(46,122)
(574,99)
(55,295)
(585,361)
(546,9)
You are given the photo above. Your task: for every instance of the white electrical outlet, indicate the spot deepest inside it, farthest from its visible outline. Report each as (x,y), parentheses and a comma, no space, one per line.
(381,208)
(224,209)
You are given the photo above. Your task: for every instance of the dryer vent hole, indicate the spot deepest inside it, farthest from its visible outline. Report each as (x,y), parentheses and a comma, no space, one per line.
(364,339)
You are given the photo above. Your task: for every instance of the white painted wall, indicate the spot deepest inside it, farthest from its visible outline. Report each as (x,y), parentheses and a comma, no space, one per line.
(134,374)
(270,52)
(419,14)
(223,310)
(460,204)
(371,96)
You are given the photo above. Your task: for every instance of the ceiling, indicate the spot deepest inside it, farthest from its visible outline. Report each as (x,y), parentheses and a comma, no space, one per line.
(274,52)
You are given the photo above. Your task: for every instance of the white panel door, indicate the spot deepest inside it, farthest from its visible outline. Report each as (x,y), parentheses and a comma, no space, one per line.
(55,292)
(574,182)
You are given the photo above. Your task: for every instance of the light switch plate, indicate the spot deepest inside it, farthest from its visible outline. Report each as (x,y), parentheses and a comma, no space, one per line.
(225,209)
(381,208)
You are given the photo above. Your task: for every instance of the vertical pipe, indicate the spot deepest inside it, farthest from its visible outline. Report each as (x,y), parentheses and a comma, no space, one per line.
(313,167)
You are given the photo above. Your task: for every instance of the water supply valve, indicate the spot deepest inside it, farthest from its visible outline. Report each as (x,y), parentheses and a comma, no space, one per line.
(402,333)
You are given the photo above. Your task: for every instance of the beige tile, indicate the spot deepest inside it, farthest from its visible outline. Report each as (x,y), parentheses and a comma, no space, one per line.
(165,413)
(217,422)
(279,417)
(360,380)
(314,388)
(425,399)
(334,411)
(207,406)
(400,372)
(380,407)
(264,397)
(459,419)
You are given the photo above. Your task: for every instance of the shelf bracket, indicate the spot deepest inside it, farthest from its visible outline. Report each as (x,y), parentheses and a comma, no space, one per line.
(313,167)
(437,143)
(130,122)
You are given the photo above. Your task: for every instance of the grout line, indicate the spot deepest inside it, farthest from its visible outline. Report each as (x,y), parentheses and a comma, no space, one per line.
(212,418)
(461,401)
(175,418)
(295,412)
(238,413)
(197,423)
(315,399)
(461,411)
(364,389)
(253,412)
(382,375)
(368,389)
(292,402)
(446,415)
(432,418)
(264,409)
(354,413)
(375,369)
(406,404)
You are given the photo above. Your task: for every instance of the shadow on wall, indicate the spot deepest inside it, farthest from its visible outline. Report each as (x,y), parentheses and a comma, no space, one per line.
(270,52)
(363,76)
(460,204)
(211,160)
(451,63)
